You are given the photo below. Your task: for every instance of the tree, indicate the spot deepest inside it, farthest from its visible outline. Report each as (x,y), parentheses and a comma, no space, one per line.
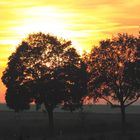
(12,77)
(76,82)
(50,71)
(107,66)
(17,99)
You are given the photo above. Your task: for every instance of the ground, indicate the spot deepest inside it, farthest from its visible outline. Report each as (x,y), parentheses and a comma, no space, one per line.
(68,126)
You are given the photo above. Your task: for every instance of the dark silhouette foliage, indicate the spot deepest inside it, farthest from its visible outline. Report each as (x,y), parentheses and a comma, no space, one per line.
(46,70)
(132,74)
(16,94)
(108,78)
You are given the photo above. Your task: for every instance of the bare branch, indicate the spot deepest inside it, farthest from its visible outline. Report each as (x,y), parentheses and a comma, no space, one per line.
(127,94)
(112,105)
(107,101)
(132,102)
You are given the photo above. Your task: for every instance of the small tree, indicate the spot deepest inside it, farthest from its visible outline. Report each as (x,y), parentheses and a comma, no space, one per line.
(107,65)
(50,71)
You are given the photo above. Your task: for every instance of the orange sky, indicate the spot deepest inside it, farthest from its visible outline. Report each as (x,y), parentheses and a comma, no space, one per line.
(82,21)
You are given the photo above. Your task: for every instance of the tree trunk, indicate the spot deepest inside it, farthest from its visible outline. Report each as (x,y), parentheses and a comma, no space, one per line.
(51,122)
(49,108)
(123,118)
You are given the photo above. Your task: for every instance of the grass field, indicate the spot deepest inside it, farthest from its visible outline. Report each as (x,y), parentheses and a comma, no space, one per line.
(68,126)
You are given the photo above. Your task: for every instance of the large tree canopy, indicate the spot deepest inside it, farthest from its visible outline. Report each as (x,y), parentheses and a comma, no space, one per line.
(107,66)
(49,70)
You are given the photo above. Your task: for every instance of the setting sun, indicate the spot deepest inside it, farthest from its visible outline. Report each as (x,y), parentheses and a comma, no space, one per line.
(41,19)
(83,22)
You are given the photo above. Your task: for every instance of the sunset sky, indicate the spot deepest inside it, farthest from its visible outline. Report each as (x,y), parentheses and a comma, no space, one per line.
(81,21)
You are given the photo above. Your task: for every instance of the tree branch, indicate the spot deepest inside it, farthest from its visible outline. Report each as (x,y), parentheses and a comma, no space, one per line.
(132,101)
(127,94)
(112,105)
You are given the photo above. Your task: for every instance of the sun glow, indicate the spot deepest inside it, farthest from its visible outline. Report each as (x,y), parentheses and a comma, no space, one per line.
(47,20)
(41,19)
(83,22)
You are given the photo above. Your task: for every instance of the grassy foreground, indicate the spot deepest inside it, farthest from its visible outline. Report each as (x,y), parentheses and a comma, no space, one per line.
(68,126)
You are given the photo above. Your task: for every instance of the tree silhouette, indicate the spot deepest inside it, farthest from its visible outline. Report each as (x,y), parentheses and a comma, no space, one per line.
(16,95)
(107,66)
(76,85)
(49,70)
